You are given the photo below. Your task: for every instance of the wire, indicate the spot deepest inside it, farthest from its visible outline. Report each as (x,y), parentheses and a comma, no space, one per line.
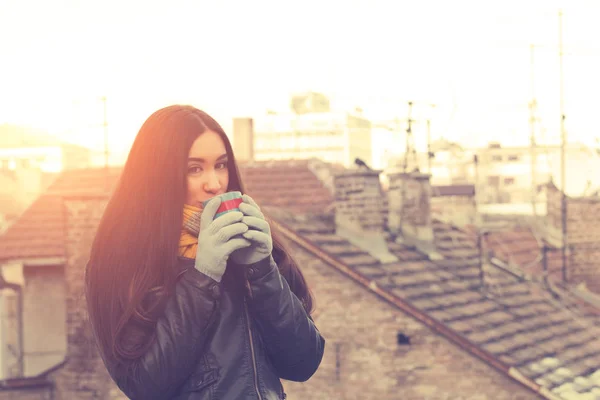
(547,289)
(543,132)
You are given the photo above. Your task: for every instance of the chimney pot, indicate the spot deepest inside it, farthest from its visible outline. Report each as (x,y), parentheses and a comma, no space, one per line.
(409,210)
(359,212)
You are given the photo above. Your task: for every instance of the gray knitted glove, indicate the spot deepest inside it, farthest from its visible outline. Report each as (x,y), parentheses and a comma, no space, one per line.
(259,234)
(216,239)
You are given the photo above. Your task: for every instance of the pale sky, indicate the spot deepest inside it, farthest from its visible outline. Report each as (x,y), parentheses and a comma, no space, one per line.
(240,58)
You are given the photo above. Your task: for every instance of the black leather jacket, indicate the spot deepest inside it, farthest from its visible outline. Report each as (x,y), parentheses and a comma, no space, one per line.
(230,340)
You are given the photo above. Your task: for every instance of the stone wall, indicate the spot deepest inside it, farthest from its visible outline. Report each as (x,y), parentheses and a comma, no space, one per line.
(32,393)
(583,236)
(363,360)
(84,375)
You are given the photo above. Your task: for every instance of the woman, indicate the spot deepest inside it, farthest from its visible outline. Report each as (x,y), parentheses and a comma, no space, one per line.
(221,313)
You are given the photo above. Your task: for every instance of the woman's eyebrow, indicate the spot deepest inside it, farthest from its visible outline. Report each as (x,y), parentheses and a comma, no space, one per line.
(199,159)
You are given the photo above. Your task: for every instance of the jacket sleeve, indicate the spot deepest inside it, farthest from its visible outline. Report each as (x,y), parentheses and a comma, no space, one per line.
(181,333)
(293,342)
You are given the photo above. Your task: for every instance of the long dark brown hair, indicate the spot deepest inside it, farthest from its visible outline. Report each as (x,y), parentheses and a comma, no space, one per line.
(133,268)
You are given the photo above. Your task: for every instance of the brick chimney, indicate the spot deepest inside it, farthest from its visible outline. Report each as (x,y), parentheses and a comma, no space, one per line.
(84,376)
(455,204)
(358,212)
(583,235)
(243,139)
(410,210)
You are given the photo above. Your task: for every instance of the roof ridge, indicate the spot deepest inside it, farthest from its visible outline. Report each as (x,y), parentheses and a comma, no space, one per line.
(407,307)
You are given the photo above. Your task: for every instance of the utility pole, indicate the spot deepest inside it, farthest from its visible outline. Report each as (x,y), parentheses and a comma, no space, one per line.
(482,239)
(545,264)
(429,153)
(96,125)
(407,151)
(409,138)
(532,120)
(410,145)
(476,186)
(563,149)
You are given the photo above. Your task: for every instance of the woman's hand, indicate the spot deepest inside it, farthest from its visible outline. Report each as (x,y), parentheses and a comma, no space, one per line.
(219,239)
(258,233)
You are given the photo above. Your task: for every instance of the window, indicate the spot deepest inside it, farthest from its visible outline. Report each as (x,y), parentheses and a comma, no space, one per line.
(496,158)
(513,157)
(509,181)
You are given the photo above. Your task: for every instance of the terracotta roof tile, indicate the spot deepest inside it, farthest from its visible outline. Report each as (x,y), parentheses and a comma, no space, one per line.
(520,248)
(89,181)
(40,232)
(286,184)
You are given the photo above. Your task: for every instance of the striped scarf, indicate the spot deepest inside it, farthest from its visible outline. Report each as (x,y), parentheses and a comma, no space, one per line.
(188,240)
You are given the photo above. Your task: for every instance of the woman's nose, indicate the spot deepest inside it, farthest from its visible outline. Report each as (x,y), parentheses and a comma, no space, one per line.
(212,184)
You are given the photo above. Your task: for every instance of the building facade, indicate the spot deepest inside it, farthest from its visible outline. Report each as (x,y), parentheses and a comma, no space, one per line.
(23,148)
(504,175)
(512,174)
(313,131)
(29,161)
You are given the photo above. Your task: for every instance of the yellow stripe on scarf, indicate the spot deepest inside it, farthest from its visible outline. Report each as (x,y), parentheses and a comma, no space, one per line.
(188,243)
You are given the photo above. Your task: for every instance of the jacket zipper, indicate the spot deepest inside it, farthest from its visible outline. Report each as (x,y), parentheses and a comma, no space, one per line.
(252,346)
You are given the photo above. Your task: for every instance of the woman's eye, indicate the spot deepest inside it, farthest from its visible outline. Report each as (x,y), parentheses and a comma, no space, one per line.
(222,166)
(194,170)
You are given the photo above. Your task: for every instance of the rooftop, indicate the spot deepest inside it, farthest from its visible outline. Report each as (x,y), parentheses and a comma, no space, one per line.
(518,322)
(40,231)
(512,320)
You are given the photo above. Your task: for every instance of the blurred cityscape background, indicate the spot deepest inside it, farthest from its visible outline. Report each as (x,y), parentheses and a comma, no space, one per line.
(433,164)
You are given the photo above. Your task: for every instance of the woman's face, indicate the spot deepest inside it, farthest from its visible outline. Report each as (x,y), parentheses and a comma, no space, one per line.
(207,172)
